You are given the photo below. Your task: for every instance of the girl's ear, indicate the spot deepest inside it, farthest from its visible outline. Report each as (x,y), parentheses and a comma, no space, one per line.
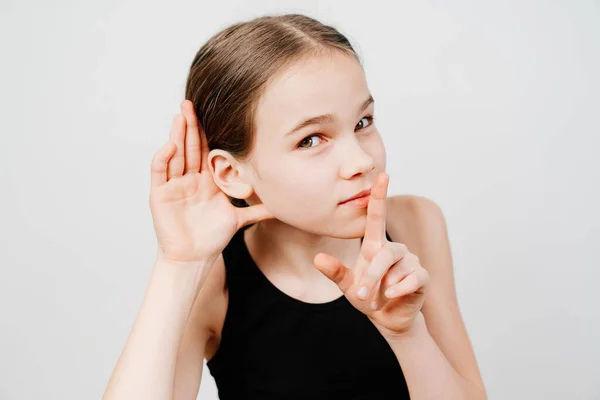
(227,174)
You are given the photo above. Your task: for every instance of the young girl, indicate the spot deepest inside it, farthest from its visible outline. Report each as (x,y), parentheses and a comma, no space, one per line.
(281,259)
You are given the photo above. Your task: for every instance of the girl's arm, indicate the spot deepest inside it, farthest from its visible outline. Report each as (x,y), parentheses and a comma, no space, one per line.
(146,366)
(193,220)
(439,354)
(428,372)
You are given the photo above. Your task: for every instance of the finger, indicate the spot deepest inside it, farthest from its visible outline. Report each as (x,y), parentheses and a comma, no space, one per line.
(386,257)
(333,269)
(158,168)
(192,138)
(252,214)
(204,150)
(375,228)
(177,136)
(400,270)
(414,282)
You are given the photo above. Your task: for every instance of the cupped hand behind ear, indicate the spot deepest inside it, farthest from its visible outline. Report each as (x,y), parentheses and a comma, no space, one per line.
(193,219)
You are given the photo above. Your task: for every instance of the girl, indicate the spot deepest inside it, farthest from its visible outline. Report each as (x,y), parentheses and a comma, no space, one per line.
(281,259)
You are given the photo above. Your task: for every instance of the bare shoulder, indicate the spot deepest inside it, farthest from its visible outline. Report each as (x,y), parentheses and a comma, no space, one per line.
(200,332)
(214,304)
(409,216)
(208,313)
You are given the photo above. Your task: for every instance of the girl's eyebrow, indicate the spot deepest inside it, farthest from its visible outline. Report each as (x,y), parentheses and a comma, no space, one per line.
(326,118)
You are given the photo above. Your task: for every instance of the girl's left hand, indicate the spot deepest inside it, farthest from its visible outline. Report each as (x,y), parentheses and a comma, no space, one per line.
(387,283)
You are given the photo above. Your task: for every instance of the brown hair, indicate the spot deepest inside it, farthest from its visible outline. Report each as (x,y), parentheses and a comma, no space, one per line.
(232,69)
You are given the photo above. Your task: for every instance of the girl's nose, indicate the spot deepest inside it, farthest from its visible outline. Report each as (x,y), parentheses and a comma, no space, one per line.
(355,160)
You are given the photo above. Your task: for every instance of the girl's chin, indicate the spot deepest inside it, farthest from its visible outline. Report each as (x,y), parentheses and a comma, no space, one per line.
(342,227)
(348,228)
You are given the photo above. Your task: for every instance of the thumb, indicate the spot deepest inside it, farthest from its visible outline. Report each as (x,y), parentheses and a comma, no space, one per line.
(252,214)
(333,269)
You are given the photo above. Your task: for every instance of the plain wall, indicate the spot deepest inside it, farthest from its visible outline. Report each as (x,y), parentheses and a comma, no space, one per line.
(491,109)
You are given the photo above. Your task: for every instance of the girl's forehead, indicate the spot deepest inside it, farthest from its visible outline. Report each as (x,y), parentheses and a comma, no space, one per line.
(331,84)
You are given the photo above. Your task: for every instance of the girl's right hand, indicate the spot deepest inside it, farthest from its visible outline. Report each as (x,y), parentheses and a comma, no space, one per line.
(193,219)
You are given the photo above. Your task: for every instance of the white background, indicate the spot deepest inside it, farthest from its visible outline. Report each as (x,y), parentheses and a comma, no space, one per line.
(489,108)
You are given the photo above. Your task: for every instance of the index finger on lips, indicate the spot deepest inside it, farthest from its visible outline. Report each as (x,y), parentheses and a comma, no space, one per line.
(376,212)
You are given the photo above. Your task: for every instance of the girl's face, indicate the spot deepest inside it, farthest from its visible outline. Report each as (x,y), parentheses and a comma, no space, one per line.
(316,145)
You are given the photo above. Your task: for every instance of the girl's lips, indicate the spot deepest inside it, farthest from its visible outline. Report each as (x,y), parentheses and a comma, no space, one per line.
(359,202)
(358,195)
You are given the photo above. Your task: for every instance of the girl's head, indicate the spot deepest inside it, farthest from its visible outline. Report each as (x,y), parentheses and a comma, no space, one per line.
(285,106)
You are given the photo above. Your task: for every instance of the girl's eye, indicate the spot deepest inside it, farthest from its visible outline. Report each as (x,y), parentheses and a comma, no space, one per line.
(361,124)
(305,141)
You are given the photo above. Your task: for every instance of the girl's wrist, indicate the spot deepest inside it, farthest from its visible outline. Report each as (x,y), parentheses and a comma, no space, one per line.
(202,261)
(183,273)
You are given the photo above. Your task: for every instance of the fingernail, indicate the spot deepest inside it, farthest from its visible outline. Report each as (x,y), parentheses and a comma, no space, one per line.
(374,305)
(389,293)
(362,293)
(181,105)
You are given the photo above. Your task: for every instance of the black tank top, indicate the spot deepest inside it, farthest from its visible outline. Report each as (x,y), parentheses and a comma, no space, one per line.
(274,346)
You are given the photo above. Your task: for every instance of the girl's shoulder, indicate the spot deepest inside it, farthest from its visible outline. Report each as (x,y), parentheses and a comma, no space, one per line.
(213,302)
(398,210)
(200,332)
(406,213)
(207,316)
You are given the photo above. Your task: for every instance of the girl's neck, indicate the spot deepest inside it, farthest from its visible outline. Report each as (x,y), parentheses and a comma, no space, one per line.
(287,250)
